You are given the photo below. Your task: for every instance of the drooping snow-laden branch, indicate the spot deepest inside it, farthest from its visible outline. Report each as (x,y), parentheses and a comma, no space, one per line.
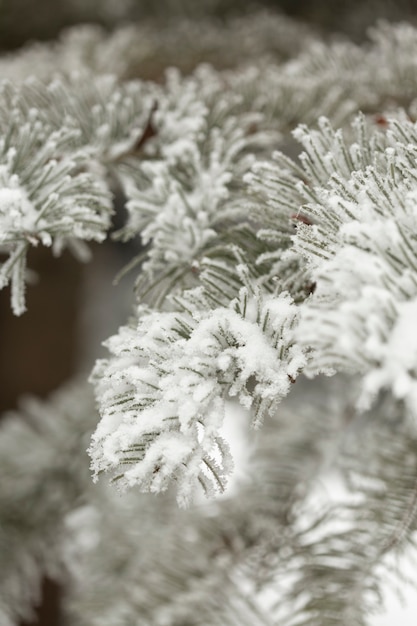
(162,392)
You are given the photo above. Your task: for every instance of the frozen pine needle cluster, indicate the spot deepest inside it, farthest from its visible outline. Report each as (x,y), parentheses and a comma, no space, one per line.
(270,210)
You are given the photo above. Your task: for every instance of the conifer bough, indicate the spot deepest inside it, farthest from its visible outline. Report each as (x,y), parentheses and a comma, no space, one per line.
(272,206)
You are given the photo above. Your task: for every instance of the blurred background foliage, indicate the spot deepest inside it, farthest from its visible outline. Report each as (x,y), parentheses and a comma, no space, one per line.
(25,20)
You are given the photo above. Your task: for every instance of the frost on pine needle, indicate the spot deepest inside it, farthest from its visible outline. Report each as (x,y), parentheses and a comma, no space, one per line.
(162,392)
(111,117)
(356,197)
(55,164)
(45,197)
(253,269)
(189,182)
(107,118)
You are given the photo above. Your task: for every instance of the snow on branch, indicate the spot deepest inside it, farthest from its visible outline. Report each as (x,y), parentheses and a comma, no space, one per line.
(46,198)
(354,204)
(188,184)
(162,392)
(57,146)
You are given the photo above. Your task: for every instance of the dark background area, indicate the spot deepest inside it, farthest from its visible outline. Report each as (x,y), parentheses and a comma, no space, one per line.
(39,350)
(26,20)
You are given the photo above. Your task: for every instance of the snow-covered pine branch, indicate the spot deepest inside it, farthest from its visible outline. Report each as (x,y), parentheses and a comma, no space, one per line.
(45,197)
(353,201)
(162,392)
(255,270)
(186,191)
(58,144)
(175,204)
